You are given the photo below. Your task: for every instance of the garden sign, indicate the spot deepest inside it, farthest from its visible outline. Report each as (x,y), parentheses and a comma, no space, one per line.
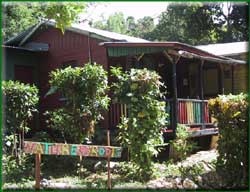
(43,148)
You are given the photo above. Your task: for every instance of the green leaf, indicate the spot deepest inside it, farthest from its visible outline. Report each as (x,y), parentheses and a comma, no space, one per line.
(51,91)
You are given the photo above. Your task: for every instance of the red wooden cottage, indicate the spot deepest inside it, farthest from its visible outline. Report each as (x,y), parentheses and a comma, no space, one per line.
(191,74)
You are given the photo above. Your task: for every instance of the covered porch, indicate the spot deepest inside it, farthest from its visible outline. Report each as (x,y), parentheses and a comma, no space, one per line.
(191,75)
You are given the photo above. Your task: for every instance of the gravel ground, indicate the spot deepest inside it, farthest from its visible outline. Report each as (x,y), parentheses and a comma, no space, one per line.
(203,159)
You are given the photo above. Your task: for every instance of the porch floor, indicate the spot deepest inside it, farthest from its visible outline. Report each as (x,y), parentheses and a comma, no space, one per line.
(197,131)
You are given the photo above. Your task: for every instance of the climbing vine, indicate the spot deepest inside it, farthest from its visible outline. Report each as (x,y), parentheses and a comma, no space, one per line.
(140,131)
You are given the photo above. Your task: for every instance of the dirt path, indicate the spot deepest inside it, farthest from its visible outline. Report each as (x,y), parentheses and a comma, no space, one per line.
(192,170)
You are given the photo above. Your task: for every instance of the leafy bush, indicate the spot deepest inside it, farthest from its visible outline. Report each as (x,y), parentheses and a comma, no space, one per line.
(14,171)
(85,91)
(231,113)
(128,171)
(182,145)
(20,102)
(42,136)
(139,89)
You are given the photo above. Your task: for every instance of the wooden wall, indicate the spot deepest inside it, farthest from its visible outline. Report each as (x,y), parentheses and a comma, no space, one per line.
(64,48)
(240,80)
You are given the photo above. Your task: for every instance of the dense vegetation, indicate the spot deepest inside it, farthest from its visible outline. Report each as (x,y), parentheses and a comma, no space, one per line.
(85,92)
(18,17)
(139,89)
(193,23)
(20,103)
(19,106)
(231,112)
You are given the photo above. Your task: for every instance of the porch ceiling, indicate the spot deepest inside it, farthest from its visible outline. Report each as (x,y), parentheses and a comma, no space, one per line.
(117,49)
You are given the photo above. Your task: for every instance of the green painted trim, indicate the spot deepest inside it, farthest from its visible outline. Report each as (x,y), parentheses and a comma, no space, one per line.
(124,51)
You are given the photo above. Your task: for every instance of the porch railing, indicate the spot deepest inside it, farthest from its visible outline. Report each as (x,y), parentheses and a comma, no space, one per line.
(116,112)
(191,112)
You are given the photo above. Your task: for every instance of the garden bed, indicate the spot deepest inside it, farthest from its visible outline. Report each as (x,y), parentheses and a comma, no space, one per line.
(167,176)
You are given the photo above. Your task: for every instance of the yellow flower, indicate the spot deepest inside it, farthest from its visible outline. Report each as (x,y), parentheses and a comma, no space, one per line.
(141,114)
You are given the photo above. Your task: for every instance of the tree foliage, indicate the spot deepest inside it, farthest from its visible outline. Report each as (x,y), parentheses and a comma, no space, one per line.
(202,23)
(64,13)
(116,23)
(234,24)
(192,23)
(129,26)
(189,23)
(84,89)
(17,17)
(143,27)
(140,131)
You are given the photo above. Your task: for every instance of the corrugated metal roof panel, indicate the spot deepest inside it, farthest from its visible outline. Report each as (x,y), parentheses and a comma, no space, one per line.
(14,41)
(225,49)
(83,29)
(107,34)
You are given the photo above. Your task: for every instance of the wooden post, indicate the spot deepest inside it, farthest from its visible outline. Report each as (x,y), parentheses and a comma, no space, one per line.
(175,97)
(221,79)
(109,176)
(232,79)
(89,47)
(110,123)
(202,93)
(37,171)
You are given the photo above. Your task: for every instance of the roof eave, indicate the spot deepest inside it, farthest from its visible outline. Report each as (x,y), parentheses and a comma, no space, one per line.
(192,51)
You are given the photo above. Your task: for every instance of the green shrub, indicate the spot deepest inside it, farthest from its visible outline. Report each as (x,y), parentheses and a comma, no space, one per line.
(14,171)
(139,89)
(182,145)
(128,171)
(231,113)
(20,102)
(85,91)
